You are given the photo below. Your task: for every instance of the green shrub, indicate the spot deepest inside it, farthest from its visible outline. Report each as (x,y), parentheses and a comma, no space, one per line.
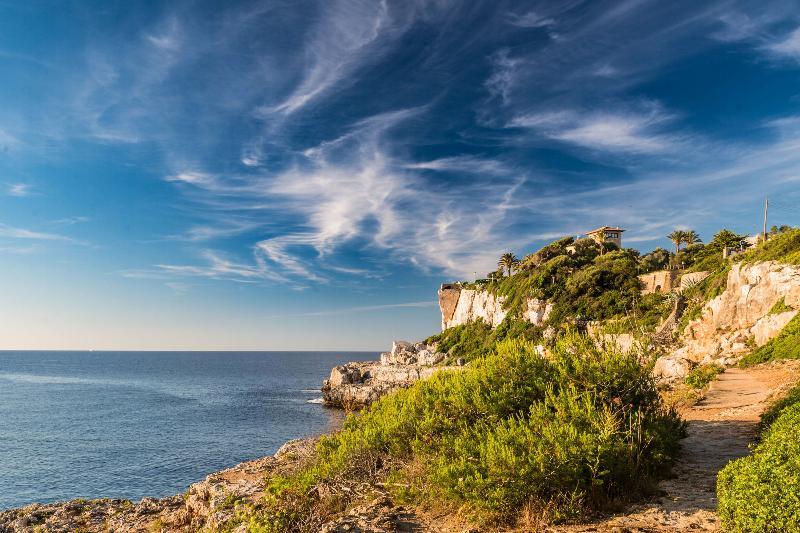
(783,247)
(785,346)
(570,432)
(702,375)
(477,338)
(779,307)
(761,492)
(776,408)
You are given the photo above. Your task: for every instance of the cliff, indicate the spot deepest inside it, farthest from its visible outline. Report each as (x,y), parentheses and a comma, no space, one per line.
(460,306)
(743,316)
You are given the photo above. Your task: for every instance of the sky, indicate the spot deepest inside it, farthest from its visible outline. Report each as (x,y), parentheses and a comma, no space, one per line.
(295,174)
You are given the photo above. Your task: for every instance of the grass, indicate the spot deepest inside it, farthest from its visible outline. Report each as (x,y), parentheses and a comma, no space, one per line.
(783,247)
(780,307)
(477,338)
(571,434)
(702,375)
(785,346)
(776,408)
(761,492)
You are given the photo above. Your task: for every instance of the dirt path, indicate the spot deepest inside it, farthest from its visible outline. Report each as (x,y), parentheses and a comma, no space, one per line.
(720,428)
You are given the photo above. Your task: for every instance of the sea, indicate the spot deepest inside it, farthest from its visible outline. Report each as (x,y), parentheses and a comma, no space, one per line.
(136,424)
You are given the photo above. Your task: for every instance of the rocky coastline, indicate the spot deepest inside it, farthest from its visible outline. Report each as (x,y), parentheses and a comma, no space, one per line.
(358,384)
(742,316)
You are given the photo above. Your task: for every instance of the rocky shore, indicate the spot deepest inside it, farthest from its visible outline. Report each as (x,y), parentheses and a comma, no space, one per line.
(358,384)
(207,504)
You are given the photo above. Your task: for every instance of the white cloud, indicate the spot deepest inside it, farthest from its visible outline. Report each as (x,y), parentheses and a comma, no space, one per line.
(199,179)
(7,140)
(470,164)
(531,20)
(632,131)
(12,232)
(19,190)
(347,34)
(788,47)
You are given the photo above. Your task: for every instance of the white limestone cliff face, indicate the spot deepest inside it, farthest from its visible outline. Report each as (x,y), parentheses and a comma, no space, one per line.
(737,319)
(461,306)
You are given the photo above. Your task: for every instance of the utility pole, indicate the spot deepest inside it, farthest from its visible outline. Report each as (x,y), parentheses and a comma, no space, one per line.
(766,207)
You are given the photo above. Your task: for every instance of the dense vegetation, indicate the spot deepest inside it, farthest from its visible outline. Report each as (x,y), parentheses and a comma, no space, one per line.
(477,338)
(782,246)
(761,492)
(785,346)
(583,281)
(567,434)
(702,375)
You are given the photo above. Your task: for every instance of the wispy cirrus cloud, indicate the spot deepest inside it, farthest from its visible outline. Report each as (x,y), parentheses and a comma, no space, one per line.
(12,232)
(629,131)
(787,47)
(20,190)
(347,34)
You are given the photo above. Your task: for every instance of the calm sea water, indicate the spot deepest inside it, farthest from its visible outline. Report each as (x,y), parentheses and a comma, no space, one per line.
(135,424)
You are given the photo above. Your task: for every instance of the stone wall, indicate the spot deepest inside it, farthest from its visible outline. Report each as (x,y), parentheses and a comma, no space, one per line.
(661,281)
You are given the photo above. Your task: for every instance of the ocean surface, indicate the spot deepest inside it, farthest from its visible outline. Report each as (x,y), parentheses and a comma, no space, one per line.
(135,424)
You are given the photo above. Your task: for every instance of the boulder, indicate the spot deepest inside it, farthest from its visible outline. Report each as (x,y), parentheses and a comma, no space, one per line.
(672,367)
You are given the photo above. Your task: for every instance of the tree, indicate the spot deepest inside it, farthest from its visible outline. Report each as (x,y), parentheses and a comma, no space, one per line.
(726,238)
(691,237)
(658,259)
(677,237)
(507,262)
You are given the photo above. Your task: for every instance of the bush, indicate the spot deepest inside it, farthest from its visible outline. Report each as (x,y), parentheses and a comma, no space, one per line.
(761,492)
(785,346)
(702,375)
(783,247)
(477,338)
(569,433)
(779,307)
(776,408)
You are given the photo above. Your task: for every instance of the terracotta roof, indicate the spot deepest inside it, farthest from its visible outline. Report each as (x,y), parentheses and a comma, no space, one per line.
(604,228)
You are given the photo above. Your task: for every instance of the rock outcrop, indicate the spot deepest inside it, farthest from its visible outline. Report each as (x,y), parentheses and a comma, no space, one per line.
(208,505)
(461,306)
(738,319)
(358,384)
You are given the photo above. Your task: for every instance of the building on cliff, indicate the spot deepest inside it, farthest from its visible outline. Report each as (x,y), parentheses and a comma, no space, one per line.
(601,235)
(607,234)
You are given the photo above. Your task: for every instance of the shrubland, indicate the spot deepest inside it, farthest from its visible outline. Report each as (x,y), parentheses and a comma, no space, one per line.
(568,434)
(785,346)
(584,285)
(761,492)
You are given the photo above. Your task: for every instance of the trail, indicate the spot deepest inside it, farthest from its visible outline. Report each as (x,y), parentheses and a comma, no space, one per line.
(721,427)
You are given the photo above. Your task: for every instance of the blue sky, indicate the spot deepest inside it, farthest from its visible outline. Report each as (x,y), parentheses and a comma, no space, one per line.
(304,174)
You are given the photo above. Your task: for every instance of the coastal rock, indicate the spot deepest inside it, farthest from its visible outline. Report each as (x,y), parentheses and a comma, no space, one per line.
(208,505)
(357,384)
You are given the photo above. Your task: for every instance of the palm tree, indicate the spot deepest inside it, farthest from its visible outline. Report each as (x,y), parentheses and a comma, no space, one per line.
(507,262)
(677,237)
(691,237)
